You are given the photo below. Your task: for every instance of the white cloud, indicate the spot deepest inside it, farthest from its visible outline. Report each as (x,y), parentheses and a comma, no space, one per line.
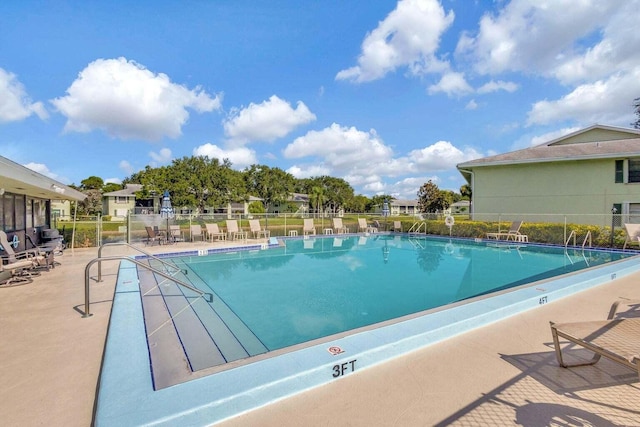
(451,83)
(15,104)
(113,181)
(340,147)
(41,169)
(494,86)
(550,136)
(441,156)
(267,121)
(536,36)
(604,101)
(408,37)
(161,158)
(126,167)
(308,171)
(127,101)
(471,105)
(240,157)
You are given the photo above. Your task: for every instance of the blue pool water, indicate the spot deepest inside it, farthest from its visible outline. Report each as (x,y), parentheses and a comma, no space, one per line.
(315,288)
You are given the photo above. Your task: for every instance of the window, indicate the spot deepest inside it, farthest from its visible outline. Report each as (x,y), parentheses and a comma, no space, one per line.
(20,212)
(619,171)
(122,199)
(634,170)
(39,212)
(9,212)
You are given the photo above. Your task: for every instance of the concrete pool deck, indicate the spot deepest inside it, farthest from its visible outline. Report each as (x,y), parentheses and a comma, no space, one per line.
(501,374)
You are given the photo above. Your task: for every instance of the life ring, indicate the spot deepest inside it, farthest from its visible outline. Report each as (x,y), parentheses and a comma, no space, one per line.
(449,221)
(15,241)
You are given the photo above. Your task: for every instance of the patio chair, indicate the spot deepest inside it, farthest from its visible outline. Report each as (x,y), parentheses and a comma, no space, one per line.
(512,234)
(633,234)
(257,230)
(338,227)
(196,232)
(17,273)
(363,227)
(397,226)
(154,237)
(214,231)
(175,233)
(308,229)
(9,256)
(615,339)
(234,232)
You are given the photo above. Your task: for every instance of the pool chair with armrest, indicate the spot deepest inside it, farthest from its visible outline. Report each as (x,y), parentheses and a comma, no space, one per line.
(234,231)
(154,237)
(17,273)
(213,231)
(363,227)
(512,234)
(616,339)
(397,226)
(338,227)
(308,229)
(196,232)
(9,256)
(257,230)
(633,234)
(175,233)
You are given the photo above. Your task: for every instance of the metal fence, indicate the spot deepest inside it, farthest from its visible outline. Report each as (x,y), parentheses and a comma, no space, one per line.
(543,228)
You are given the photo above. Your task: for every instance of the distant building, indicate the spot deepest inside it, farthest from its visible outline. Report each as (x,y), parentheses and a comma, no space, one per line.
(581,176)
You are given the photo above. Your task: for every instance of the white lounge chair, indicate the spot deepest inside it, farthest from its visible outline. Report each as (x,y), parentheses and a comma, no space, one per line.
(512,234)
(615,339)
(234,231)
(257,230)
(213,231)
(196,232)
(363,227)
(308,229)
(338,227)
(35,255)
(633,234)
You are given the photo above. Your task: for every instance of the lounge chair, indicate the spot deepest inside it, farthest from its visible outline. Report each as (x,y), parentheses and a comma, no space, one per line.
(338,227)
(615,339)
(175,233)
(36,256)
(196,232)
(633,234)
(234,231)
(308,229)
(213,231)
(512,234)
(363,227)
(154,237)
(17,273)
(257,230)
(397,226)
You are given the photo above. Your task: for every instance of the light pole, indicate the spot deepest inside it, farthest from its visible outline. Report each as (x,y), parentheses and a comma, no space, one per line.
(613,220)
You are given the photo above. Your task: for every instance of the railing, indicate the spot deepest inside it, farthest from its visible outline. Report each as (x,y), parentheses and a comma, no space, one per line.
(166,264)
(574,235)
(417,226)
(87,298)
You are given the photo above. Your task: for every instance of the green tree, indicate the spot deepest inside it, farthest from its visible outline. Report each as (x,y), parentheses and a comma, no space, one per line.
(272,185)
(92,204)
(465,191)
(92,183)
(111,186)
(359,203)
(430,198)
(378,200)
(316,199)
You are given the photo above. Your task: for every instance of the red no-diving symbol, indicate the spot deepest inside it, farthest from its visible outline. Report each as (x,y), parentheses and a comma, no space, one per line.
(334,350)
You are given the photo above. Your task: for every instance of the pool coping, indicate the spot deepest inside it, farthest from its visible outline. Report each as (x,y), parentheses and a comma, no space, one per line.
(126,395)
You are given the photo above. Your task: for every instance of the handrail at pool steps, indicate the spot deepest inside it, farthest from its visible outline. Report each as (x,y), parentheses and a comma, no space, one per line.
(208,296)
(417,226)
(166,264)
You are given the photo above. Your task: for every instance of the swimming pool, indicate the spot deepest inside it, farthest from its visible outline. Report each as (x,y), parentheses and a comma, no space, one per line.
(313,288)
(348,266)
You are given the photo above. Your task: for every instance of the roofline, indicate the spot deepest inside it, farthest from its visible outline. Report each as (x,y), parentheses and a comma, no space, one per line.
(18,179)
(470,165)
(594,126)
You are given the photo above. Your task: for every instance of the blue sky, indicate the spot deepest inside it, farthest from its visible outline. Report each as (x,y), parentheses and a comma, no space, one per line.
(384,94)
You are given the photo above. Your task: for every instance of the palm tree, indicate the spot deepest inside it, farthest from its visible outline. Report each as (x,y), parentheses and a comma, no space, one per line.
(317,198)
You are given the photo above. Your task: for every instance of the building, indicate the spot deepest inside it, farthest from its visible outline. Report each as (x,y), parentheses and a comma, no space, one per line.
(403,207)
(25,202)
(118,204)
(580,178)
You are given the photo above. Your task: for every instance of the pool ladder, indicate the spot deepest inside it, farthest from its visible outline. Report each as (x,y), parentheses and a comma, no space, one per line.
(417,226)
(165,274)
(574,235)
